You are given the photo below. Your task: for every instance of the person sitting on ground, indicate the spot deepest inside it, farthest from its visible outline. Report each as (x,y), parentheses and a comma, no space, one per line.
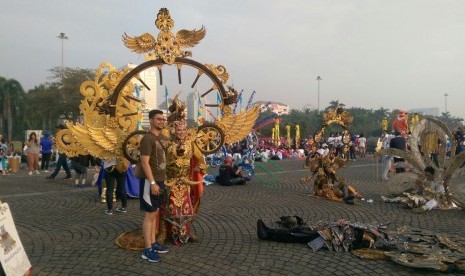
(230,175)
(277,156)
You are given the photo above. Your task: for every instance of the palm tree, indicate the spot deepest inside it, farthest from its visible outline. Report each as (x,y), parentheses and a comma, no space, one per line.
(11,96)
(334,104)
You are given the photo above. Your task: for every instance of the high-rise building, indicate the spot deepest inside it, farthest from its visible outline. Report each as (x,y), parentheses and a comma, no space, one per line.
(148,97)
(192,106)
(149,77)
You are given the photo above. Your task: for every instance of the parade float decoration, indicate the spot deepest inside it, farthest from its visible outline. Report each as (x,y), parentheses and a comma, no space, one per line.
(335,116)
(327,183)
(111,111)
(432,135)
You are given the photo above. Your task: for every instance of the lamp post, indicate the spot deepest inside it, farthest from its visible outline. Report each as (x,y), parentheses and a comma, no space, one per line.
(62,36)
(445,102)
(318,79)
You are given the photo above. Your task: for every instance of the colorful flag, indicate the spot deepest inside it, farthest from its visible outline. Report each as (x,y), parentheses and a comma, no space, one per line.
(249,103)
(218,102)
(141,117)
(297,135)
(239,100)
(166,97)
(199,113)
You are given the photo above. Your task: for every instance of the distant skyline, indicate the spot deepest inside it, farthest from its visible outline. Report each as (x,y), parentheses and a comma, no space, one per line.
(396,54)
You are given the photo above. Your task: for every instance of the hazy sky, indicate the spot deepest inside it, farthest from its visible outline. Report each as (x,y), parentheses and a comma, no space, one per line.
(392,53)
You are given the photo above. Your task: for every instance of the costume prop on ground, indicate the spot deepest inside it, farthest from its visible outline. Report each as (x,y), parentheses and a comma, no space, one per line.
(406,246)
(432,135)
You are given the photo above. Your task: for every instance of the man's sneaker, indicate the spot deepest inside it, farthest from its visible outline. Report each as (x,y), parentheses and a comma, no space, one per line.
(150,255)
(160,248)
(109,212)
(46,171)
(121,210)
(37,172)
(30,172)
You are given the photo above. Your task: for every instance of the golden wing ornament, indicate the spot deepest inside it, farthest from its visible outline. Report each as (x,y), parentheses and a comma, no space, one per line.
(140,44)
(67,144)
(105,137)
(190,38)
(237,126)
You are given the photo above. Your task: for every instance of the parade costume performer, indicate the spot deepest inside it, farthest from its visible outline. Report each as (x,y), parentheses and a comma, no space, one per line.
(185,167)
(400,123)
(327,184)
(384,124)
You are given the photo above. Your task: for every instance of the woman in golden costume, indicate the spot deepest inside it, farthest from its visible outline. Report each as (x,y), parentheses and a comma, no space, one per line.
(185,169)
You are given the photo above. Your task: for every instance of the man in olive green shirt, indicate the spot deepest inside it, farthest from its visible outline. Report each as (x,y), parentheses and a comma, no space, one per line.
(153,162)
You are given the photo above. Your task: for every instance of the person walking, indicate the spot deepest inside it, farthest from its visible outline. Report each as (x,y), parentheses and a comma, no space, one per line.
(61,162)
(46,150)
(152,184)
(362,145)
(32,153)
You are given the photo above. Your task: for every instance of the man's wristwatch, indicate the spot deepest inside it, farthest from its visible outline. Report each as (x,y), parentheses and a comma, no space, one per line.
(153,182)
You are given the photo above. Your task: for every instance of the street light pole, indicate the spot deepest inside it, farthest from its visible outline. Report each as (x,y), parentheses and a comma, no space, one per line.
(62,36)
(445,102)
(318,79)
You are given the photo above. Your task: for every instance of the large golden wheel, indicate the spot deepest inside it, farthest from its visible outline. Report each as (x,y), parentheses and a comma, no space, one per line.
(192,69)
(210,138)
(131,146)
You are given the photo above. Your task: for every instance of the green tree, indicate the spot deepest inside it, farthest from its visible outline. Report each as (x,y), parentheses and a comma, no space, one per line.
(308,119)
(44,105)
(333,104)
(11,103)
(68,82)
(56,100)
(451,122)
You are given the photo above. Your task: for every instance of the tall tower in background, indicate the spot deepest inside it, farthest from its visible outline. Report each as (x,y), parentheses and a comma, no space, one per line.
(192,106)
(149,97)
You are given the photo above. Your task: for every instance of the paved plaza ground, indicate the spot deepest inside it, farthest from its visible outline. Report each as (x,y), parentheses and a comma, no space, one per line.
(65,231)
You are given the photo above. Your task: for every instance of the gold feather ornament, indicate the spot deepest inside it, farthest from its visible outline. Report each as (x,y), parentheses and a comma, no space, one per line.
(100,134)
(167,45)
